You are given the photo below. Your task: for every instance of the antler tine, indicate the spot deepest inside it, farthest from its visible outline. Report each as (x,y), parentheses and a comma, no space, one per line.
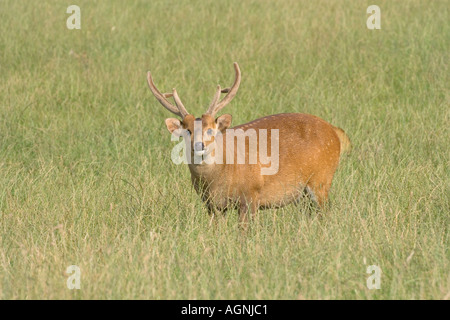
(179,104)
(162,98)
(231,92)
(214,101)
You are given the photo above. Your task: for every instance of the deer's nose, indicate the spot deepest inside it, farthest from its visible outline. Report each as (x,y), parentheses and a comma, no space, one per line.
(199,146)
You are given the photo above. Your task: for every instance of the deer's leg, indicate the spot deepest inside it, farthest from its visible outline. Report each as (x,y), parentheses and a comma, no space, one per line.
(247,210)
(322,199)
(243,214)
(319,194)
(213,214)
(254,209)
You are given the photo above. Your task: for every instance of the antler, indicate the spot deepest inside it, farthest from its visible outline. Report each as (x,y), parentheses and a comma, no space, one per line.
(231,92)
(179,110)
(215,99)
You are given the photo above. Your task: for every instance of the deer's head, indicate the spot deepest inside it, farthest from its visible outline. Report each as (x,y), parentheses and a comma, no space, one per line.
(199,131)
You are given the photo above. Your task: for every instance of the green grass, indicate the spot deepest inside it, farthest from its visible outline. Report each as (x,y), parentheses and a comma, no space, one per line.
(85,171)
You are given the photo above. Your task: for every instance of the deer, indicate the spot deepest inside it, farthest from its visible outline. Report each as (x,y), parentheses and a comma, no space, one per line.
(309,151)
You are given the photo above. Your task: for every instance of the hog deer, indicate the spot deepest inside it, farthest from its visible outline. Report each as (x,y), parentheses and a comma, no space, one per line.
(308,154)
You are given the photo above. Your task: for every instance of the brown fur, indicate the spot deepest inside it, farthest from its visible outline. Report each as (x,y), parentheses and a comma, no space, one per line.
(309,154)
(346,145)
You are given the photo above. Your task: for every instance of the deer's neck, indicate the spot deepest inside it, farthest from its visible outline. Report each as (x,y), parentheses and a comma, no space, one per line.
(205,172)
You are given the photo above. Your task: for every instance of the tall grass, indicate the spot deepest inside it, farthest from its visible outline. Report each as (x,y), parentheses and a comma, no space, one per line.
(85,171)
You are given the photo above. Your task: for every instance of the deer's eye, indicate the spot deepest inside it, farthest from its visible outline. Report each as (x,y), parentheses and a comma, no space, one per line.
(210,132)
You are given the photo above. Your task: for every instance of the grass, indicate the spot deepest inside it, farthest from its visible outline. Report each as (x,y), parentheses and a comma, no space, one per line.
(85,171)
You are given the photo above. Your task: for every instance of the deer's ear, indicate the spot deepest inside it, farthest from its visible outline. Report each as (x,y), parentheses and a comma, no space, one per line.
(223,122)
(173,124)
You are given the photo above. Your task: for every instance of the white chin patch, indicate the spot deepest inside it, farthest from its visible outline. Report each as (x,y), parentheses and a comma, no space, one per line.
(199,153)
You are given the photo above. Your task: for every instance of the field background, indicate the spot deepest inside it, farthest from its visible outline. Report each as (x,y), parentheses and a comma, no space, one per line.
(85,171)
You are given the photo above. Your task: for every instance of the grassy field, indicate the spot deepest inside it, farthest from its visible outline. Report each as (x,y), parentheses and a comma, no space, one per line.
(85,171)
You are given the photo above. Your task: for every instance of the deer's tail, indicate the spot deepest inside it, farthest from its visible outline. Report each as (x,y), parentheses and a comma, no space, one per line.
(346,145)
